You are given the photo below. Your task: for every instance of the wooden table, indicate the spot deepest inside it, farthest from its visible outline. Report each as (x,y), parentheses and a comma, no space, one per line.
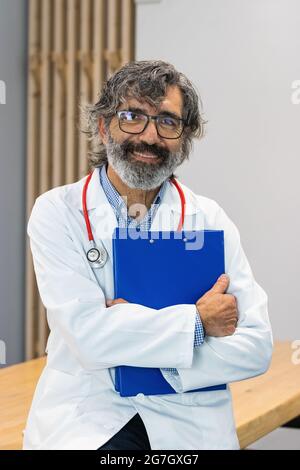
(261,404)
(268,401)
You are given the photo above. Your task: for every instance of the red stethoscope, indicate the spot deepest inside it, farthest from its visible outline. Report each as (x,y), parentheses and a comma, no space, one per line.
(98,256)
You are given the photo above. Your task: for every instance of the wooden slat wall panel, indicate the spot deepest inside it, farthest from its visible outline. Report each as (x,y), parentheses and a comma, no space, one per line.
(45,124)
(74,45)
(33,107)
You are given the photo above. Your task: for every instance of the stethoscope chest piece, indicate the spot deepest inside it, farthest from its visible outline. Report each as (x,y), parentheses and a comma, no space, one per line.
(97,257)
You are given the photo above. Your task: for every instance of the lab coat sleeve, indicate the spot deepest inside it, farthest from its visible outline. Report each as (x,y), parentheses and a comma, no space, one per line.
(246,353)
(198,340)
(99,336)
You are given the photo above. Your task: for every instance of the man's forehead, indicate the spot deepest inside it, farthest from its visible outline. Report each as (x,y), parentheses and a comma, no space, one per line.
(172,101)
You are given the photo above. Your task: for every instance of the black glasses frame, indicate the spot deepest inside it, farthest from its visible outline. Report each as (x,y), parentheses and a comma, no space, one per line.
(154,118)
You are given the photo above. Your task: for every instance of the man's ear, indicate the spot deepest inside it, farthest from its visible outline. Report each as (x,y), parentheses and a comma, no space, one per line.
(102,130)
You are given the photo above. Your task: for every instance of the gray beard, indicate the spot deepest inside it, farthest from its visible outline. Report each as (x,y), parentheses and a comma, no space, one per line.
(141,175)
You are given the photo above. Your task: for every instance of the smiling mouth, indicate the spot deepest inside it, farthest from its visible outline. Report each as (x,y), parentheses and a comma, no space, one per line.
(145,157)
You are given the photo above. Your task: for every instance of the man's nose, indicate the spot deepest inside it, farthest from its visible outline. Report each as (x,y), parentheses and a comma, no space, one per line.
(150,134)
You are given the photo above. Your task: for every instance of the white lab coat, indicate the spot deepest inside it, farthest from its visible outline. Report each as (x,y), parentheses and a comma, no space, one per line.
(75,405)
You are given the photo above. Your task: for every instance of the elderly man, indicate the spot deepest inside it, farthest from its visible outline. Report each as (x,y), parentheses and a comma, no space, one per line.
(141,130)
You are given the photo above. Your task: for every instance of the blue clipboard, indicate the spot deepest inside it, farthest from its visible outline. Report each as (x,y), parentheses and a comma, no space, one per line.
(147,262)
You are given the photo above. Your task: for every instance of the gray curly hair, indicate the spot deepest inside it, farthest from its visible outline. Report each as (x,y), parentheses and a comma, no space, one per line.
(146,79)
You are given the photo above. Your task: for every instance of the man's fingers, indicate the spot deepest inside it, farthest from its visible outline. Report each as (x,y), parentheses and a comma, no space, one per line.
(229,330)
(231,322)
(110,302)
(229,305)
(229,299)
(221,285)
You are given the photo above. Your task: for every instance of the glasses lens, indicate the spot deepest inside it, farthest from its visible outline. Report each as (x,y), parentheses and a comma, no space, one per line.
(169,127)
(132,122)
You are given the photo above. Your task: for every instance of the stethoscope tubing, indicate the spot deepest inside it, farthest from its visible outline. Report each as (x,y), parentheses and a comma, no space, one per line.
(86,215)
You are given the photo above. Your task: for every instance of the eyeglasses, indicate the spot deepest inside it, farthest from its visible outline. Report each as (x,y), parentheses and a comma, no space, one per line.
(167,127)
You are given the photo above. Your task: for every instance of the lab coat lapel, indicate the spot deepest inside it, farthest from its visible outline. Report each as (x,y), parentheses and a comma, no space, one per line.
(103,220)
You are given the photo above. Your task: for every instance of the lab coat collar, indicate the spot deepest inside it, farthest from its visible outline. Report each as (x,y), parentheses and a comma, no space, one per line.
(103,219)
(171,199)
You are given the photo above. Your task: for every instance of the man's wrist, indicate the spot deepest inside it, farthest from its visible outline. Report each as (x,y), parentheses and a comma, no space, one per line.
(201,320)
(199,331)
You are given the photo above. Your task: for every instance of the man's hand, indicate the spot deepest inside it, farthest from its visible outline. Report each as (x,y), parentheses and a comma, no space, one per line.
(217,310)
(110,302)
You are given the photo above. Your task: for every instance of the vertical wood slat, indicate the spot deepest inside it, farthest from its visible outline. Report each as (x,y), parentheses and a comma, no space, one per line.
(85,77)
(46,97)
(32,170)
(71,96)
(127,29)
(113,51)
(45,139)
(98,47)
(58,156)
(74,45)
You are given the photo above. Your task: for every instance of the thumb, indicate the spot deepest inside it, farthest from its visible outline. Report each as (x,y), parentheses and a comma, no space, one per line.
(221,285)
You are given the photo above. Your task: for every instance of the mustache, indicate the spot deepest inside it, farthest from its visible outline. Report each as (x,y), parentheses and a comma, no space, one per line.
(143,147)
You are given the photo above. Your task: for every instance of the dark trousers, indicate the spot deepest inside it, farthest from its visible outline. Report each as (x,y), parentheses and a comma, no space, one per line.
(133,436)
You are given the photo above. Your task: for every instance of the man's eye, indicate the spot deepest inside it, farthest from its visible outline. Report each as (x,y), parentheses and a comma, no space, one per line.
(133,116)
(167,121)
(129,116)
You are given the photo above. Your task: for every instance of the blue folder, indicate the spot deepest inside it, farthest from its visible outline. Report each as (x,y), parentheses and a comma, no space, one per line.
(159,269)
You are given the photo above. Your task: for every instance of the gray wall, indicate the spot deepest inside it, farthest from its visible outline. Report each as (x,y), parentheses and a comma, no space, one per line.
(13,63)
(243,56)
